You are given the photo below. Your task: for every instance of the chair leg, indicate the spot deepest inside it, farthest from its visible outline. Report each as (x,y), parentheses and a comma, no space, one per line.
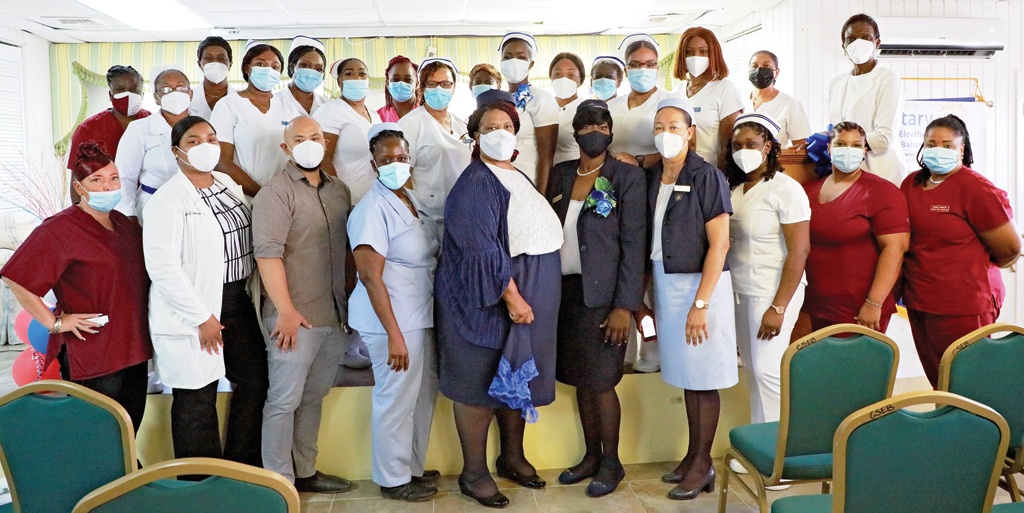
(1011,483)
(826,486)
(723,491)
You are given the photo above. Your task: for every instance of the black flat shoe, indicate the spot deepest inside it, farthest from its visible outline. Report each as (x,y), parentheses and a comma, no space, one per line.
(322,483)
(568,477)
(600,488)
(708,485)
(428,477)
(533,481)
(409,492)
(497,501)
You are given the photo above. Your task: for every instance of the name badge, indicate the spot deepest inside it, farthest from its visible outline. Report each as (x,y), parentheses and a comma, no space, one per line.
(557,199)
(696,110)
(940,208)
(681,188)
(285,123)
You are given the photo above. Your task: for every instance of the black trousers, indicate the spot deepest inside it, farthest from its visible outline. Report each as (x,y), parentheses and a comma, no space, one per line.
(245,360)
(126,386)
(194,427)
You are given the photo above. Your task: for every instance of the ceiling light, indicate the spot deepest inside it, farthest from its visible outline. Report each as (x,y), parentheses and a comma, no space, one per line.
(170,15)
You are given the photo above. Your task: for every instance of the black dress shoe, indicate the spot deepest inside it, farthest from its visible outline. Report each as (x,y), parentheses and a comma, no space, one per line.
(409,492)
(707,485)
(533,481)
(598,488)
(671,478)
(322,483)
(498,500)
(428,477)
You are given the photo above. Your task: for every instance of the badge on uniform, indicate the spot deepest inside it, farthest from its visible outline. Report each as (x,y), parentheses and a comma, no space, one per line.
(557,199)
(696,110)
(681,188)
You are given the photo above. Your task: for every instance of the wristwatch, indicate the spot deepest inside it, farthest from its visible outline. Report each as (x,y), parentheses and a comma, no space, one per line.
(640,160)
(781,310)
(700,304)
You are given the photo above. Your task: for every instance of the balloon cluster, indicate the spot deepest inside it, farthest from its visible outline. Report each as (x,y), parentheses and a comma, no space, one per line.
(30,366)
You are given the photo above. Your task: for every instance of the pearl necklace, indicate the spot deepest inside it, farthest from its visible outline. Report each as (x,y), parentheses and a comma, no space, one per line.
(592,171)
(932,180)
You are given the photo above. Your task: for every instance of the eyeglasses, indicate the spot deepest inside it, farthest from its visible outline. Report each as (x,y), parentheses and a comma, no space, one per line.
(169,89)
(638,65)
(447,84)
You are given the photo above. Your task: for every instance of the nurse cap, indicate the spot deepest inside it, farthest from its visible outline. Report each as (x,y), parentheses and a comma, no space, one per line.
(611,59)
(632,38)
(300,41)
(761,119)
(443,60)
(376,129)
(677,102)
(494,95)
(249,44)
(519,35)
(157,70)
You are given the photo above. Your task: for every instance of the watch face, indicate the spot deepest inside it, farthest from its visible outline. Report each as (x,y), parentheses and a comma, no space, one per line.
(700,304)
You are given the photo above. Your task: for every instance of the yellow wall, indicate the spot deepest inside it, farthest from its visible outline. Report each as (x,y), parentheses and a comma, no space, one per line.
(653,428)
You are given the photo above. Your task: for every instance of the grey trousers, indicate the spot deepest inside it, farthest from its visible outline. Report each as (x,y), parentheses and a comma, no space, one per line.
(299,381)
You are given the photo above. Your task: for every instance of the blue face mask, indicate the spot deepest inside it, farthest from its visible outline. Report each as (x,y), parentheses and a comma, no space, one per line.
(104,201)
(604,88)
(394,175)
(264,78)
(643,79)
(437,98)
(940,160)
(308,79)
(354,90)
(401,92)
(481,89)
(846,159)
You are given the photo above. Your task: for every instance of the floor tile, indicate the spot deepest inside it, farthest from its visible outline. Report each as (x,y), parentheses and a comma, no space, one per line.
(573,499)
(521,500)
(361,489)
(648,471)
(315,506)
(380,505)
(652,495)
(315,497)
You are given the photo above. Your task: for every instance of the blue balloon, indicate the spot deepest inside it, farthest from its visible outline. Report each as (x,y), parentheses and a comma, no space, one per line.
(38,336)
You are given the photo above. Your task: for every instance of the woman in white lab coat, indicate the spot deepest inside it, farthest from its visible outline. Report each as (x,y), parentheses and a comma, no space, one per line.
(768,100)
(214,59)
(306,64)
(566,72)
(144,155)
(538,111)
(870,95)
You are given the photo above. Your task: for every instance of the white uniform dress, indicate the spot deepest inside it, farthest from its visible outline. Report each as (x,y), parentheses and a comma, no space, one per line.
(875,102)
(716,100)
(757,251)
(541,110)
(437,157)
(289,100)
(352,152)
(634,128)
(257,137)
(144,162)
(199,107)
(567,148)
(789,114)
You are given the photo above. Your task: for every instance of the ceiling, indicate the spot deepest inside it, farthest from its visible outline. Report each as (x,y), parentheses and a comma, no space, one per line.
(67,21)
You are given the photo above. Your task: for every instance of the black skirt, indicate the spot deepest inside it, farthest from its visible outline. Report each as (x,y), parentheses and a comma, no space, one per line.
(584,359)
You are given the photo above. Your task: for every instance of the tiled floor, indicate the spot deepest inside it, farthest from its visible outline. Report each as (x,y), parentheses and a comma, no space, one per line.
(641,492)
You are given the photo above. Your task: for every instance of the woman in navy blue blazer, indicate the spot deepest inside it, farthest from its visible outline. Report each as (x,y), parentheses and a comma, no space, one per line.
(601,204)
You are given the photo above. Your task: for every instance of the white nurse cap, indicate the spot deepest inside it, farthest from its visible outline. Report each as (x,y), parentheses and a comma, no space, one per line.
(249,44)
(611,59)
(381,127)
(677,102)
(519,35)
(632,38)
(761,119)
(300,41)
(157,70)
(443,60)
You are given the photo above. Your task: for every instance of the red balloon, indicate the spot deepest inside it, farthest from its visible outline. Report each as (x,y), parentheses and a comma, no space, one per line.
(28,368)
(21,322)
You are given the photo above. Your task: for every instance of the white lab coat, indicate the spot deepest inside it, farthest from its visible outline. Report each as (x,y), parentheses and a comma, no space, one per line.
(184,251)
(144,157)
(875,102)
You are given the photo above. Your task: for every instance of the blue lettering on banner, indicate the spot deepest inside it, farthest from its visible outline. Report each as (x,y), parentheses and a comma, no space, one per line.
(917,119)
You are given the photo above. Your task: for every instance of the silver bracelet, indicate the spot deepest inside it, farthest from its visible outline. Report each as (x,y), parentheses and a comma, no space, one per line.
(872,303)
(56,325)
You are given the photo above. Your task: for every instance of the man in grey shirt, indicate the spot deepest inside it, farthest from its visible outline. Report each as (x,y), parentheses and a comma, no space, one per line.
(300,244)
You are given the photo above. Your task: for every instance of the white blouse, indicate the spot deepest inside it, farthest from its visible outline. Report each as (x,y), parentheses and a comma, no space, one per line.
(256,136)
(716,100)
(664,194)
(144,158)
(352,152)
(437,157)
(571,246)
(533,227)
(289,99)
(199,107)
(789,114)
(567,148)
(540,111)
(634,128)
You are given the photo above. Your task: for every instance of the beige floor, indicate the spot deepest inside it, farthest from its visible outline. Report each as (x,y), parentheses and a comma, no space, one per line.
(641,492)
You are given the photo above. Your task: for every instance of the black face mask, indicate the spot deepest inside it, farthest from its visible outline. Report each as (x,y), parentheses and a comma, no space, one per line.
(593,144)
(761,77)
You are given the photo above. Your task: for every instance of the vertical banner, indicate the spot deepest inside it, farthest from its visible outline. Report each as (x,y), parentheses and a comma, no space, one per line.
(918,113)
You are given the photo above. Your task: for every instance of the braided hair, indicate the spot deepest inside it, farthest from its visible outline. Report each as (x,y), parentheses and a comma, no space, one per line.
(395,61)
(958,127)
(737,176)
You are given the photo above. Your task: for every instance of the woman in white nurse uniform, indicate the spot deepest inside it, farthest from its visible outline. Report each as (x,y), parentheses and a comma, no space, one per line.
(766,99)
(538,110)
(214,59)
(566,72)
(306,63)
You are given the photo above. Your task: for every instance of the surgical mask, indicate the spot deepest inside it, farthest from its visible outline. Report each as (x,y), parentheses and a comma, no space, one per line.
(515,70)
(847,159)
(264,78)
(498,144)
(308,154)
(355,90)
(669,145)
(642,79)
(593,144)
(103,201)
(203,157)
(437,98)
(215,72)
(940,160)
(604,88)
(175,102)
(696,65)
(761,77)
(482,88)
(127,103)
(748,160)
(401,92)
(394,175)
(308,79)
(564,88)
(860,51)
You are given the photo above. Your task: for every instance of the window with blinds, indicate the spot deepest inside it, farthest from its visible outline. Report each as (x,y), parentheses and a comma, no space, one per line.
(12,113)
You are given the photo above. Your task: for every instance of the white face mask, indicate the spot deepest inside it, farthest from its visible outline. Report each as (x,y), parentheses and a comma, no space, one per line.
(308,154)
(564,88)
(175,102)
(669,145)
(696,65)
(515,70)
(860,51)
(498,144)
(203,157)
(748,160)
(215,72)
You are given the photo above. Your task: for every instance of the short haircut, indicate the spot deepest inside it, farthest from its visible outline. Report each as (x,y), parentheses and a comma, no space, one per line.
(591,116)
(118,70)
(859,18)
(772,56)
(575,60)
(486,68)
(717,66)
(428,70)
(185,125)
(213,41)
(257,50)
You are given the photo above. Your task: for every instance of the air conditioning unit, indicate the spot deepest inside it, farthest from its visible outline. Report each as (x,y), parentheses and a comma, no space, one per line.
(965,38)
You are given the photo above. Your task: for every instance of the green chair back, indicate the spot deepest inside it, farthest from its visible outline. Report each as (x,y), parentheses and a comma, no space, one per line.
(57,448)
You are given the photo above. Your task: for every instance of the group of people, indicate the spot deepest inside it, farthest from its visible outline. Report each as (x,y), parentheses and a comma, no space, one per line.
(497,255)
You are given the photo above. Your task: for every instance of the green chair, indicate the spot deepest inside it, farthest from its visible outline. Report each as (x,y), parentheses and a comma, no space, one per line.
(888,458)
(991,371)
(230,488)
(825,378)
(59,441)
(1013,507)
